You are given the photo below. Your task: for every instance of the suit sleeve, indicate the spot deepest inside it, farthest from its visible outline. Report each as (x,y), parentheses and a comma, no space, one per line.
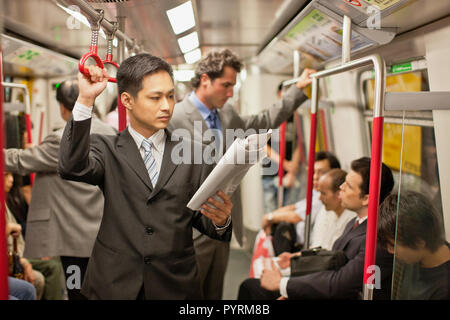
(343,283)
(81,156)
(274,116)
(204,224)
(41,158)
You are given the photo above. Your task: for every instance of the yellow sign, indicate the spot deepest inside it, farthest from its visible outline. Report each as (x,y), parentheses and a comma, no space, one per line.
(392,133)
(412,147)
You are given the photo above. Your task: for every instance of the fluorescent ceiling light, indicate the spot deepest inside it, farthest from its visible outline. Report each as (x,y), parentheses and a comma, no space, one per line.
(193,56)
(182,17)
(189,42)
(183,75)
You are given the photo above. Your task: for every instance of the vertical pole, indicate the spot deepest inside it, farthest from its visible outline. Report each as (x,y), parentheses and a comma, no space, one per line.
(121,56)
(3,248)
(346,39)
(280,163)
(312,154)
(28,124)
(375,180)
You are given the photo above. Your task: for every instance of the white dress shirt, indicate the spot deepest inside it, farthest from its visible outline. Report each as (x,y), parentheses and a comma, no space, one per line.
(158,139)
(300,209)
(329,227)
(80,112)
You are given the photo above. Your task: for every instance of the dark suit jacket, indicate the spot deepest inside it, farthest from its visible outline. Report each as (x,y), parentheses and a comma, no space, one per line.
(345,283)
(145,236)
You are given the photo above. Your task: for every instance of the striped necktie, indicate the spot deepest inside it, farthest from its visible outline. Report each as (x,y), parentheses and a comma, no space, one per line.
(150,162)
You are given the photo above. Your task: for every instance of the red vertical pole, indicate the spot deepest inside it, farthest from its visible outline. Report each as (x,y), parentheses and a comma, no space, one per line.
(299,137)
(312,155)
(324,129)
(29,138)
(282,155)
(3,247)
(122,114)
(374,198)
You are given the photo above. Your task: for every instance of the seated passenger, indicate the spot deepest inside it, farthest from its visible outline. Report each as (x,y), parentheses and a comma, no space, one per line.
(411,228)
(287,224)
(18,289)
(346,282)
(46,274)
(30,275)
(330,221)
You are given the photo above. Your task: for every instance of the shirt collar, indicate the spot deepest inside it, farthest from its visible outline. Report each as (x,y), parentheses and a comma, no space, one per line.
(204,110)
(157,139)
(361,220)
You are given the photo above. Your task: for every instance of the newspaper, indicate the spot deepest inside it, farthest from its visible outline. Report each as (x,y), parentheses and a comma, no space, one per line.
(231,168)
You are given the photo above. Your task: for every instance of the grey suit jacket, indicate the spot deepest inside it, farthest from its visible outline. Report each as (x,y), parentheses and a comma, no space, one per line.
(345,283)
(185,113)
(64,216)
(146,232)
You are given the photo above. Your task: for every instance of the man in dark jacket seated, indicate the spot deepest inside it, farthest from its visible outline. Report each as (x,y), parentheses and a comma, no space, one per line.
(346,282)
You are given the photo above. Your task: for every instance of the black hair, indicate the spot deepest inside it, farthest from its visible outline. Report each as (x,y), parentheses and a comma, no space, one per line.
(417,219)
(332,160)
(362,167)
(337,178)
(67,93)
(214,65)
(133,70)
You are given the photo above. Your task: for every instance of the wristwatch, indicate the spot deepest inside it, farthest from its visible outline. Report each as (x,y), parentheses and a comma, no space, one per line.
(270,217)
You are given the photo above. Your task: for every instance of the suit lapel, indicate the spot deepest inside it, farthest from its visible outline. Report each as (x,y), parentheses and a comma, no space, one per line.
(167,166)
(131,154)
(349,234)
(194,115)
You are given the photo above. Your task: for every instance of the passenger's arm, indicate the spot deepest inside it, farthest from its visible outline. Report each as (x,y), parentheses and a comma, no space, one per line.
(40,158)
(274,116)
(284,214)
(81,159)
(341,284)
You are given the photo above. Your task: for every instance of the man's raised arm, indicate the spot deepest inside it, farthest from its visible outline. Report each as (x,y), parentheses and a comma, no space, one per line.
(80,159)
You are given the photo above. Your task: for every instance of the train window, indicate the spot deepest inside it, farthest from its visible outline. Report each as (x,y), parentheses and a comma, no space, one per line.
(419,220)
(409,149)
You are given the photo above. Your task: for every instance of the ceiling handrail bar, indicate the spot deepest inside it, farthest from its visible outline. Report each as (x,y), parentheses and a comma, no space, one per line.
(379,65)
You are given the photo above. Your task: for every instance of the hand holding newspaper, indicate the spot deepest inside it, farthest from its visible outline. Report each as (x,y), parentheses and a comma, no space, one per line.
(232,167)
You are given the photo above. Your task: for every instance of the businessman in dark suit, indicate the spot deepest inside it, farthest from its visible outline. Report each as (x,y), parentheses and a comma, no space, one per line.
(144,247)
(346,282)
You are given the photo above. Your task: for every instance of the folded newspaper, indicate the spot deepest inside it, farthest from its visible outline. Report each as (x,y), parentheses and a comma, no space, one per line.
(231,168)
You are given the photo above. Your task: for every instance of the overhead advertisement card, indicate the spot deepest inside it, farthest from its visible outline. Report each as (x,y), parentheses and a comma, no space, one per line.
(321,36)
(362,5)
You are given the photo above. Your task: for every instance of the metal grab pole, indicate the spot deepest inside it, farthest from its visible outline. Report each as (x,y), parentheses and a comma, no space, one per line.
(312,154)
(375,181)
(121,111)
(346,39)
(377,139)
